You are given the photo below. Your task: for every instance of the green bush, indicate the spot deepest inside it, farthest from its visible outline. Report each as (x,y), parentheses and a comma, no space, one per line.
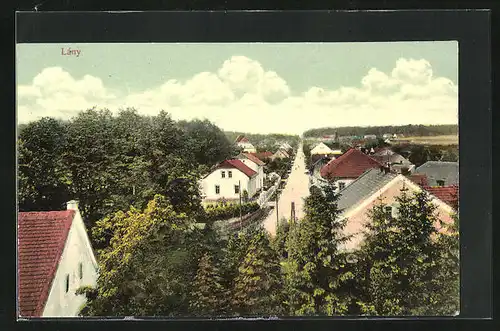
(220,212)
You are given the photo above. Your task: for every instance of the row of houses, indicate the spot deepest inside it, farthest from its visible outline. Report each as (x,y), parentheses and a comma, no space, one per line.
(363,178)
(242,175)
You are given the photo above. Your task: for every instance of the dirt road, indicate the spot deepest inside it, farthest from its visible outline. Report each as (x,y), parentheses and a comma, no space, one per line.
(296,189)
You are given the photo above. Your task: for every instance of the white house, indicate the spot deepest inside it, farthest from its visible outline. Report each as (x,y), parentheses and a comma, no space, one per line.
(55,258)
(245,144)
(227,180)
(256,165)
(321,149)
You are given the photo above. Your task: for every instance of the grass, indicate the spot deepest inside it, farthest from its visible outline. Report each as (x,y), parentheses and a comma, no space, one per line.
(432,140)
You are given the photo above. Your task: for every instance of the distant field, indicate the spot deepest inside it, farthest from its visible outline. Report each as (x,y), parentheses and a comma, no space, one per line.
(432,140)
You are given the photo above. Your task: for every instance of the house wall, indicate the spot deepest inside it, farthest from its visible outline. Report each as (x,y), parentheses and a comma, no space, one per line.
(77,250)
(345,181)
(247,147)
(358,216)
(258,169)
(227,184)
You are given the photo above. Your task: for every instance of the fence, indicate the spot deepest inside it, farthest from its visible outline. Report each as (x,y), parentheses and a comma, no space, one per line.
(264,196)
(236,224)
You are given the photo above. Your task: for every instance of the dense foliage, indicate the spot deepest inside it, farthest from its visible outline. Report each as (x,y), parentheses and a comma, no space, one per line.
(217,212)
(158,262)
(160,255)
(409,268)
(407,130)
(109,163)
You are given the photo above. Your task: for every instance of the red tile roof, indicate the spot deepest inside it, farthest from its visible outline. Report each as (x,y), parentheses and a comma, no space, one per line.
(237,164)
(447,194)
(41,240)
(352,164)
(254,159)
(263,155)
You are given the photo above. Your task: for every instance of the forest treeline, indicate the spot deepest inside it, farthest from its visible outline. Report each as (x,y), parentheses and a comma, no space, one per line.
(407,130)
(109,163)
(265,142)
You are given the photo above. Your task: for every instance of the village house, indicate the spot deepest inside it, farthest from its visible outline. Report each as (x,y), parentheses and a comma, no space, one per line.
(280,154)
(370,137)
(227,180)
(55,258)
(315,169)
(394,160)
(382,186)
(245,145)
(439,173)
(321,149)
(347,168)
(263,156)
(256,165)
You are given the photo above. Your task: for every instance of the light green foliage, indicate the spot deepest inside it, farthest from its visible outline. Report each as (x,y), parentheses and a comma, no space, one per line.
(149,264)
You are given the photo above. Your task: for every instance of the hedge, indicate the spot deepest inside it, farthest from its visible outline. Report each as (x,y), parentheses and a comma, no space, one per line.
(220,211)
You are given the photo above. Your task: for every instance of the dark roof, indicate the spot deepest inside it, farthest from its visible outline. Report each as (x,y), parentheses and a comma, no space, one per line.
(447,194)
(352,164)
(236,164)
(437,170)
(363,187)
(253,158)
(322,160)
(393,158)
(41,240)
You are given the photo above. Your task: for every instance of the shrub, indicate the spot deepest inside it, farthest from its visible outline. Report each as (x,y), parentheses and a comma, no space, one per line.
(220,212)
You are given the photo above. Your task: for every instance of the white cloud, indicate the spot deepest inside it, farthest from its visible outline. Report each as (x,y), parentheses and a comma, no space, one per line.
(242,95)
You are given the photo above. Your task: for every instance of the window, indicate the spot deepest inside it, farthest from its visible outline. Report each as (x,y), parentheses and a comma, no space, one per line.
(80,270)
(230,174)
(388,211)
(66,285)
(395,210)
(341,185)
(217,189)
(236,189)
(440,182)
(223,174)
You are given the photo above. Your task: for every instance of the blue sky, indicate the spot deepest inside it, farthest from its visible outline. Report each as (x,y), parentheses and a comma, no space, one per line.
(246,87)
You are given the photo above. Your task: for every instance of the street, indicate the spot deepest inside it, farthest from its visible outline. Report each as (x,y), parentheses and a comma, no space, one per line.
(296,189)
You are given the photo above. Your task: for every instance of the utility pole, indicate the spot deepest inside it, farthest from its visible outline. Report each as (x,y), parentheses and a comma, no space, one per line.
(239,191)
(277,214)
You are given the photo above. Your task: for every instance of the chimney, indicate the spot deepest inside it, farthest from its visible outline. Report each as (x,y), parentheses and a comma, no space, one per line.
(72,205)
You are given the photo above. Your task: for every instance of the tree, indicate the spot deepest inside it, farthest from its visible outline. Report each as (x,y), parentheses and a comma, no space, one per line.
(149,265)
(406,271)
(209,297)
(43,178)
(279,241)
(90,157)
(257,290)
(206,142)
(318,279)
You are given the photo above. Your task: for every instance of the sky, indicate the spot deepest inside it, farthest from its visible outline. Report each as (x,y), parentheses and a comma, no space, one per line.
(248,87)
